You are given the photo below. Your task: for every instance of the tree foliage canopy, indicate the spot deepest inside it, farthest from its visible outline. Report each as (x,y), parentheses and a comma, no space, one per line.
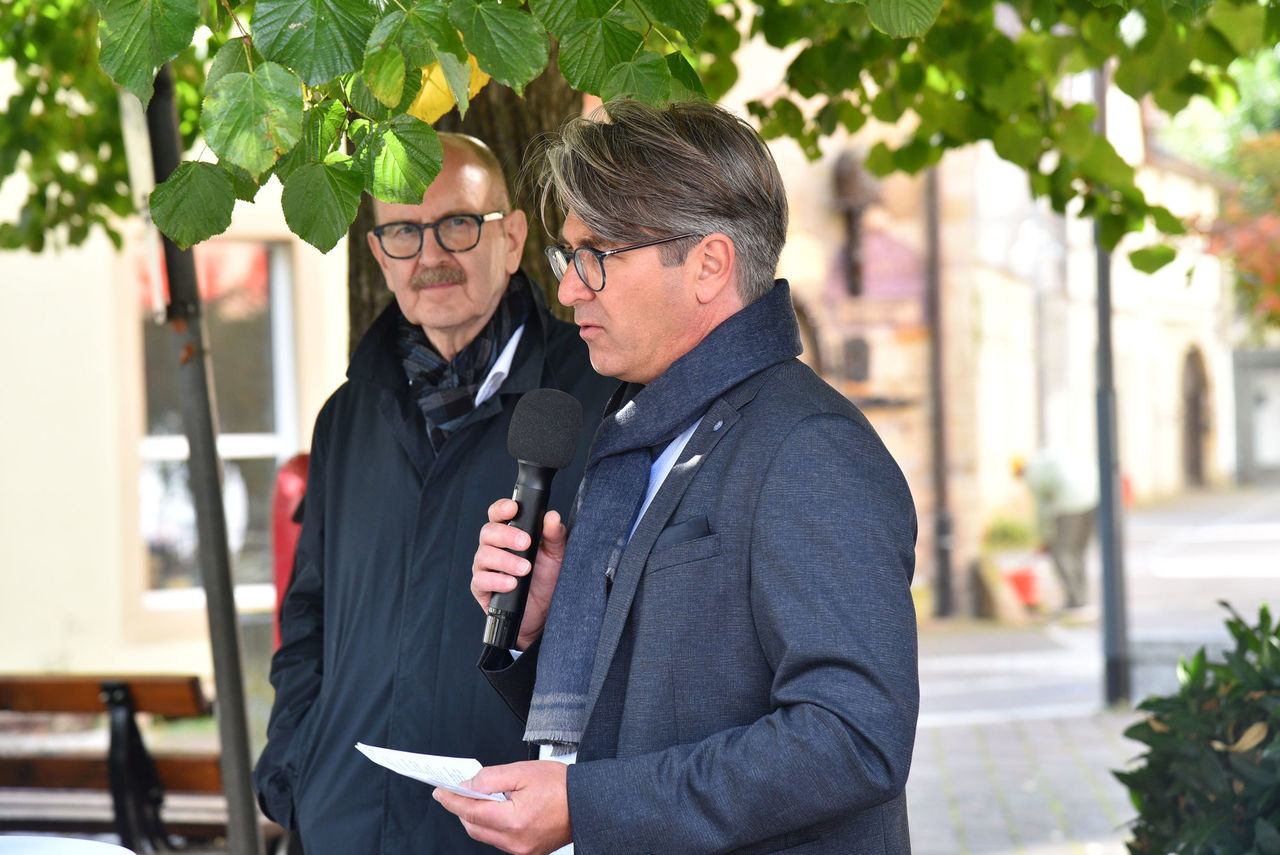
(335,97)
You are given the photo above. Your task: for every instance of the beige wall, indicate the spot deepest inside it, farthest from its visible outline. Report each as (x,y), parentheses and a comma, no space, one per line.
(72,586)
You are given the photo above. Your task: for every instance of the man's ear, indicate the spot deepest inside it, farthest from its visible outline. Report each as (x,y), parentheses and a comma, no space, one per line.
(515,228)
(713,267)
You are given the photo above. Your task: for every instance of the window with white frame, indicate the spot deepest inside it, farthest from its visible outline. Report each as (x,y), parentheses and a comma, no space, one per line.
(246,292)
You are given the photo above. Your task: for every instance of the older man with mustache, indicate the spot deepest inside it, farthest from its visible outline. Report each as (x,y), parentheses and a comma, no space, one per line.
(379,629)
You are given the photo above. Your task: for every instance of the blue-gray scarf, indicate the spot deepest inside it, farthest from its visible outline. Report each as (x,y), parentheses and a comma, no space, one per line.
(617,476)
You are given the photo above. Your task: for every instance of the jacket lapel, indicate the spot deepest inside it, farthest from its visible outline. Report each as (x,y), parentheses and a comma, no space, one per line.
(716,423)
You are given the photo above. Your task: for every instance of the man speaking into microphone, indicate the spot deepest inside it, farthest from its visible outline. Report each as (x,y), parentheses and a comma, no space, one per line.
(728,659)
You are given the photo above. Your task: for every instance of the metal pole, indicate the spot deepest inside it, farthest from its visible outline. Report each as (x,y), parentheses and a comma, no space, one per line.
(1115,639)
(942,527)
(195,383)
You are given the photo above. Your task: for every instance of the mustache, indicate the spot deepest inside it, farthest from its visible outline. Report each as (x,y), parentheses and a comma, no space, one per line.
(438,276)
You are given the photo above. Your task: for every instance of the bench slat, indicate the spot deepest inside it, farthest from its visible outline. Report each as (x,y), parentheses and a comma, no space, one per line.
(199,817)
(186,773)
(172,697)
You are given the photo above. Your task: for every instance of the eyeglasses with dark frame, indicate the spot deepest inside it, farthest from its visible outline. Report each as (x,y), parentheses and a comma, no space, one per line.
(454,233)
(589,263)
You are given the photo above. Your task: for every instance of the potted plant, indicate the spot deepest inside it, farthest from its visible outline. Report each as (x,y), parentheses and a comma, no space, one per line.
(1209,781)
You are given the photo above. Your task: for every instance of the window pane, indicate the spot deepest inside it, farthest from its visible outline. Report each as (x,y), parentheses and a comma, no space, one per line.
(236,297)
(169,521)
(237,308)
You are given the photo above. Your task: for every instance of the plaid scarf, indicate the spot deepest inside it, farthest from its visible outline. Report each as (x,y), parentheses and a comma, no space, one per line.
(446,390)
(617,477)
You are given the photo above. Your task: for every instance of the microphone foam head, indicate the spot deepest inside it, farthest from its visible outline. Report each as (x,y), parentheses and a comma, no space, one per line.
(544,428)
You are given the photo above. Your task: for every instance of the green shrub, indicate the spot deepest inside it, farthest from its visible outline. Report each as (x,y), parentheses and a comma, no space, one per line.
(1209,782)
(1009,533)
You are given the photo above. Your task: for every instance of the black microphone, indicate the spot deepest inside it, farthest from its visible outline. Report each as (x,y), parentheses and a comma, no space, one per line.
(542,438)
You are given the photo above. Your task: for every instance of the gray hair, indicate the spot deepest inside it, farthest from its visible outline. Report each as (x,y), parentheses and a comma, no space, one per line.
(631,171)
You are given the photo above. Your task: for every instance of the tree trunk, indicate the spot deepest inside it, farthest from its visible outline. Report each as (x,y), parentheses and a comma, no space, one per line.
(367,294)
(508,123)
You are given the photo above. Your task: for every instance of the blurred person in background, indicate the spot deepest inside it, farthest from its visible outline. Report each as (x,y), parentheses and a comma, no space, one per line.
(1066,497)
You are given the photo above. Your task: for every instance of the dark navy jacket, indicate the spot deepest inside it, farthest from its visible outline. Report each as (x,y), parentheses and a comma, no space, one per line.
(380,631)
(755,683)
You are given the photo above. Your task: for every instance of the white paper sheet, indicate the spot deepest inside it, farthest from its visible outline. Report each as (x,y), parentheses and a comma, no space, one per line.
(444,772)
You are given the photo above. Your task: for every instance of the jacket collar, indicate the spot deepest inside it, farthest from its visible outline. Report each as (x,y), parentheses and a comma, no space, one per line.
(376,363)
(375,360)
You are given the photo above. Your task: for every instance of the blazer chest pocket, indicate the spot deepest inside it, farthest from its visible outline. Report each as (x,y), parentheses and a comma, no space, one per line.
(682,543)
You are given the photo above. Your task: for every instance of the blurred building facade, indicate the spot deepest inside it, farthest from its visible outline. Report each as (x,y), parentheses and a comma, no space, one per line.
(1016,330)
(95,514)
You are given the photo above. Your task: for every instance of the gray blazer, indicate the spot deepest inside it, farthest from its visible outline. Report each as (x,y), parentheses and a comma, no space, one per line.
(755,685)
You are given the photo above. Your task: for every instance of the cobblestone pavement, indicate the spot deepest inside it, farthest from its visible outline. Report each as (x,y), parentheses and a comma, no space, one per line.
(1014,752)
(1016,746)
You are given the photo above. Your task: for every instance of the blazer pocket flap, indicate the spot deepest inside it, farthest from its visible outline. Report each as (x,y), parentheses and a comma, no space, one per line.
(684,552)
(681,532)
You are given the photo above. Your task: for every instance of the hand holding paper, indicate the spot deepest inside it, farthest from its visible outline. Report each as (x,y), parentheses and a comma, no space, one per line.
(444,772)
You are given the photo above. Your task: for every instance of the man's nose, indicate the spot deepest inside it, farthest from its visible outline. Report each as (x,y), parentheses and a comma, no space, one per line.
(572,289)
(431,251)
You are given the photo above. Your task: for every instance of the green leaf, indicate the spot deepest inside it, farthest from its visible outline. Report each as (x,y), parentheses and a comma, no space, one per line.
(645,78)
(139,36)
(916,154)
(684,16)
(322,128)
(457,74)
(1244,25)
(1074,130)
(782,118)
(1164,62)
(1100,28)
(508,43)
(1111,228)
(593,48)
(400,159)
(685,84)
(245,185)
(250,120)
(1103,165)
(1014,92)
(237,55)
(363,101)
(428,35)
(1149,259)
(559,16)
(1211,46)
(1166,222)
(1266,838)
(384,74)
(318,39)
(1019,142)
(901,18)
(880,160)
(320,201)
(1191,673)
(194,203)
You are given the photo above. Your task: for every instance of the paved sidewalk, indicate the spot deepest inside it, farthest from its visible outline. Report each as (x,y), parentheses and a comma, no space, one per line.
(1015,746)
(1014,752)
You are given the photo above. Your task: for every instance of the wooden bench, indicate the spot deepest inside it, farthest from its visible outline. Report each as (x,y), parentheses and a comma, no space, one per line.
(41,790)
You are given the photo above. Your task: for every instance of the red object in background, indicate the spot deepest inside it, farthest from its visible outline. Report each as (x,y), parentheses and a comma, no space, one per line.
(1025,585)
(1126,491)
(291,484)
